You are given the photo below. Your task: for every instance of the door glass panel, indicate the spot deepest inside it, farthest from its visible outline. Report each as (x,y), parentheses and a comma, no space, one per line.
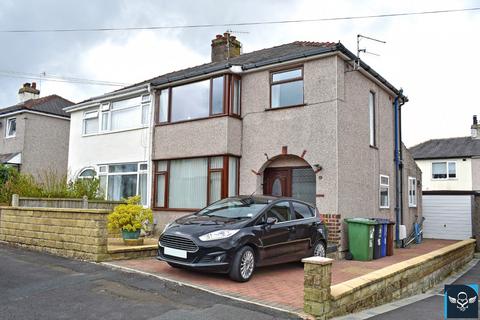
(277,188)
(280,211)
(160,197)
(303,184)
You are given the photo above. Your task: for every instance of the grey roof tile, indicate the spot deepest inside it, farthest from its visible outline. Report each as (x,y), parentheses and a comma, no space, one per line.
(52,104)
(447,148)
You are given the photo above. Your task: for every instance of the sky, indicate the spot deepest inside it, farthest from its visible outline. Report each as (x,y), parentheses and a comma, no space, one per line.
(432,57)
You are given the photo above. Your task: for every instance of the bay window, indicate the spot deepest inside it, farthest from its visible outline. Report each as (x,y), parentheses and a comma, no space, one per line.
(194,183)
(286,88)
(119,181)
(198,100)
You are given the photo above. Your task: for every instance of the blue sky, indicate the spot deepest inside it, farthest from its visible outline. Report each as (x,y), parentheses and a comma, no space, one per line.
(432,57)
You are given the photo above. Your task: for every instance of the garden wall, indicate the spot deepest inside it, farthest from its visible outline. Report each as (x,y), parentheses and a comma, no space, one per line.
(67,203)
(382,286)
(74,233)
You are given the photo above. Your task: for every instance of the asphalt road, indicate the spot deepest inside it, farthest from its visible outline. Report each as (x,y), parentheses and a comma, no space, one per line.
(41,286)
(431,307)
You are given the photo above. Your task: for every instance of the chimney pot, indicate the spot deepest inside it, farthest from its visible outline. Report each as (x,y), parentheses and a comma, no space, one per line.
(475,120)
(34,85)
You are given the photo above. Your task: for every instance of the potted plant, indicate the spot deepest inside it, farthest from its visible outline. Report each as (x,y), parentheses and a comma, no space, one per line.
(129,218)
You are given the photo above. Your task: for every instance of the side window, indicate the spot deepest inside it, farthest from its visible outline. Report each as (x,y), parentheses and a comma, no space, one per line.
(301,211)
(280,211)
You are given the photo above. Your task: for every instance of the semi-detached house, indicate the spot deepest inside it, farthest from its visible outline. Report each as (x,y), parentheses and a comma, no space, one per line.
(303,119)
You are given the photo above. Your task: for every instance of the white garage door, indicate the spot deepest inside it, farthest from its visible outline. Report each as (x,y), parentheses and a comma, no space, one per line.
(447,217)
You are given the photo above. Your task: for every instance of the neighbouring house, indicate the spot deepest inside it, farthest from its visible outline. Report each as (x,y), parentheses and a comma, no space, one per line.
(34,133)
(110,138)
(304,119)
(451,185)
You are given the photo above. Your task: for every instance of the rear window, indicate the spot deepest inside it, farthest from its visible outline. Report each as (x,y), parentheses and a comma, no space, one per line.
(302,211)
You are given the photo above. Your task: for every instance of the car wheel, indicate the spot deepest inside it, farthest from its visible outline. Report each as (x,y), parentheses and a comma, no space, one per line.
(243,265)
(319,250)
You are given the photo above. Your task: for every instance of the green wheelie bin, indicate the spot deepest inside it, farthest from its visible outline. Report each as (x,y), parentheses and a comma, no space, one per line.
(360,238)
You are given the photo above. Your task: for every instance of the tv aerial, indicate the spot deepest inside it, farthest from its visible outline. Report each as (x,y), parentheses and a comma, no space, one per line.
(364,50)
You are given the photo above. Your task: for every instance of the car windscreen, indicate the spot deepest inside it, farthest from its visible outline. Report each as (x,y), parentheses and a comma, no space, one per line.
(236,208)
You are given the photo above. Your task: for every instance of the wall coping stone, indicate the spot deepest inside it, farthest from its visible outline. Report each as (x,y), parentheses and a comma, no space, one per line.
(70,199)
(345,288)
(72,210)
(317,260)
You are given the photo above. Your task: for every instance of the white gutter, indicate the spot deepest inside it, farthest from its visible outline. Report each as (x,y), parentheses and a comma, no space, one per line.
(107,97)
(5,115)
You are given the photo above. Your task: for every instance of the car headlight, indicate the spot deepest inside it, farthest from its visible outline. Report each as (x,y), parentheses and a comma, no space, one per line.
(217,235)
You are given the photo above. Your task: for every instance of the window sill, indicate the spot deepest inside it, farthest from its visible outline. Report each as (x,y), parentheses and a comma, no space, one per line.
(10,137)
(384,208)
(161,124)
(286,107)
(374,147)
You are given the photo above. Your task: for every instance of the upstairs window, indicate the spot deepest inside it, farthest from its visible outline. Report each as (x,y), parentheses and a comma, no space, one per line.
(286,88)
(444,170)
(90,122)
(11,128)
(412,192)
(372,118)
(198,100)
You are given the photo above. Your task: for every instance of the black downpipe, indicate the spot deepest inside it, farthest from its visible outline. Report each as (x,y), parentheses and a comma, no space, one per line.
(398,158)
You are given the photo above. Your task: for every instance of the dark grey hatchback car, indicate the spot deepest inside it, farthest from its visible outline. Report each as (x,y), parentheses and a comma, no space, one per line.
(236,235)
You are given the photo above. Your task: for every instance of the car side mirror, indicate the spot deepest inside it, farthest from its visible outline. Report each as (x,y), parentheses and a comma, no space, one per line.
(271,221)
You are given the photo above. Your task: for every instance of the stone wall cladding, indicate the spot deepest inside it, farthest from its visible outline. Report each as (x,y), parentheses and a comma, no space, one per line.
(73,233)
(394,282)
(334,225)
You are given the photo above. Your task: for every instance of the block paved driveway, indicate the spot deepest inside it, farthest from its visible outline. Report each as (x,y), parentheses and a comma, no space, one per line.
(278,286)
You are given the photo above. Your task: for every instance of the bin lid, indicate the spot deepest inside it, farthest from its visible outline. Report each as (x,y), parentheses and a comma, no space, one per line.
(361,221)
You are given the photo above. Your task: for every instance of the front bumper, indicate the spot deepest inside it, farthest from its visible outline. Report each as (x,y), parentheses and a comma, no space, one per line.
(211,256)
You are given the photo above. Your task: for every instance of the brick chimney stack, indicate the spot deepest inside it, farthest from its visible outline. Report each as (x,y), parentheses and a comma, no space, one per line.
(28,91)
(225,47)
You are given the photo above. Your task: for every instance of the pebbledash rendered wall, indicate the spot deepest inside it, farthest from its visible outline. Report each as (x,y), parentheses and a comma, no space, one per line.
(73,233)
(394,282)
(330,132)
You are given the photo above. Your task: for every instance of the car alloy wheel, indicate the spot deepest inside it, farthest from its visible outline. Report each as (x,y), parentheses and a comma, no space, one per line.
(319,250)
(247,264)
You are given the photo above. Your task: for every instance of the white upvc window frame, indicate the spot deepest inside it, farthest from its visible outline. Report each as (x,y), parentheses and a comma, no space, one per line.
(382,185)
(412,192)
(447,164)
(372,118)
(8,126)
(103,170)
(90,114)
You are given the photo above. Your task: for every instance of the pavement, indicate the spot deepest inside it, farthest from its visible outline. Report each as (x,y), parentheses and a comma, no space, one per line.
(428,306)
(279,286)
(34,285)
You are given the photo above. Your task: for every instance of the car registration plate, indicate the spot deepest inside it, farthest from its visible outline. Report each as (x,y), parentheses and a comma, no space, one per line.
(175,252)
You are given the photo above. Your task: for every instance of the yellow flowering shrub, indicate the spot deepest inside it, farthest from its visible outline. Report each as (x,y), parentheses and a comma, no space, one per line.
(129,216)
